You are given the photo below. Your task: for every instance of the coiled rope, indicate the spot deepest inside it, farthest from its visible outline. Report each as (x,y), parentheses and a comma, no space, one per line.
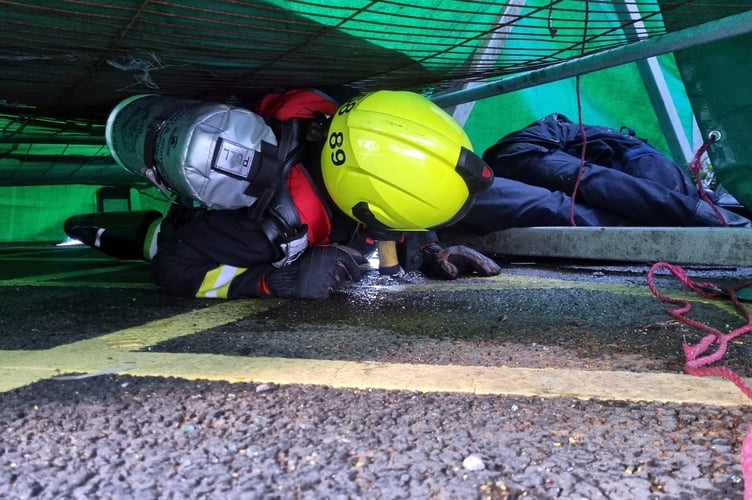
(699,357)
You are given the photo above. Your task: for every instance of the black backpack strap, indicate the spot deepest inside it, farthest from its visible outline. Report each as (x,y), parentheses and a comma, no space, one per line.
(282,225)
(265,178)
(277,212)
(274,164)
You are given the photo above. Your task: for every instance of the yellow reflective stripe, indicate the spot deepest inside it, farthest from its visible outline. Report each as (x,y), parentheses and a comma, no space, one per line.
(217,282)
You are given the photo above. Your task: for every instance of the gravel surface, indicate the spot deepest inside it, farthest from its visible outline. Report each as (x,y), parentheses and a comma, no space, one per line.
(122,437)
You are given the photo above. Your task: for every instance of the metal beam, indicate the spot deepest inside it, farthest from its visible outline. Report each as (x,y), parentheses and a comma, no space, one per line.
(679,245)
(711,31)
(59,170)
(84,140)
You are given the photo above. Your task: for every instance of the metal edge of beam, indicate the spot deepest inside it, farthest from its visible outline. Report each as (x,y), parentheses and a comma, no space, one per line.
(83,140)
(720,29)
(36,177)
(679,245)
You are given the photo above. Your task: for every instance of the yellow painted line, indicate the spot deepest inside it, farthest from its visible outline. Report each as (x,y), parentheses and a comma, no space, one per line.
(501,282)
(543,382)
(125,348)
(19,368)
(507,281)
(516,282)
(29,366)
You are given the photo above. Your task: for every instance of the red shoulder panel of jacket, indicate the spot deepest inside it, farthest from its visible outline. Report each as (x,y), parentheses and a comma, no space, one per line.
(310,207)
(296,103)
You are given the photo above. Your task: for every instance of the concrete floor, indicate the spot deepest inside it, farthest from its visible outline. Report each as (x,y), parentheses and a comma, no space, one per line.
(556,379)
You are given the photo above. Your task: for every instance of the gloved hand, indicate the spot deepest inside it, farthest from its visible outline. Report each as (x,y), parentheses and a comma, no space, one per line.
(316,274)
(450,262)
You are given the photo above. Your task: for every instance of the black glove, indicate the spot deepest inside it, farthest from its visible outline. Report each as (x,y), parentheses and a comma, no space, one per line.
(316,274)
(450,262)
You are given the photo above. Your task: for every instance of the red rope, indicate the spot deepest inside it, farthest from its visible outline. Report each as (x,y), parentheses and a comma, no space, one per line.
(695,167)
(583,150)
(696,360)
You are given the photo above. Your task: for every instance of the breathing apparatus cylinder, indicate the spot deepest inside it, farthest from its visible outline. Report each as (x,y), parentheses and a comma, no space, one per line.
(207,152)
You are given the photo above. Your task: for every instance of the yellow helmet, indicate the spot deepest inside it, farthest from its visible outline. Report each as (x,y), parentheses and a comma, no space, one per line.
(396,161)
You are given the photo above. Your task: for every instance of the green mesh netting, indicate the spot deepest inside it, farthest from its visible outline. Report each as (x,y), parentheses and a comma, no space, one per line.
(441,38)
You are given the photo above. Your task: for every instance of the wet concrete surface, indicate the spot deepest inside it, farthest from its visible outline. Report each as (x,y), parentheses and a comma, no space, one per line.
(532,328)
(122,436)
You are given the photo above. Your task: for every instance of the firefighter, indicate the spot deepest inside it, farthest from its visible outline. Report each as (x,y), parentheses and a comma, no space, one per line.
(298,243)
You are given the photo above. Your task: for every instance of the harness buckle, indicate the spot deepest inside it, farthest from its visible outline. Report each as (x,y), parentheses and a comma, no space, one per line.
(292,246)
